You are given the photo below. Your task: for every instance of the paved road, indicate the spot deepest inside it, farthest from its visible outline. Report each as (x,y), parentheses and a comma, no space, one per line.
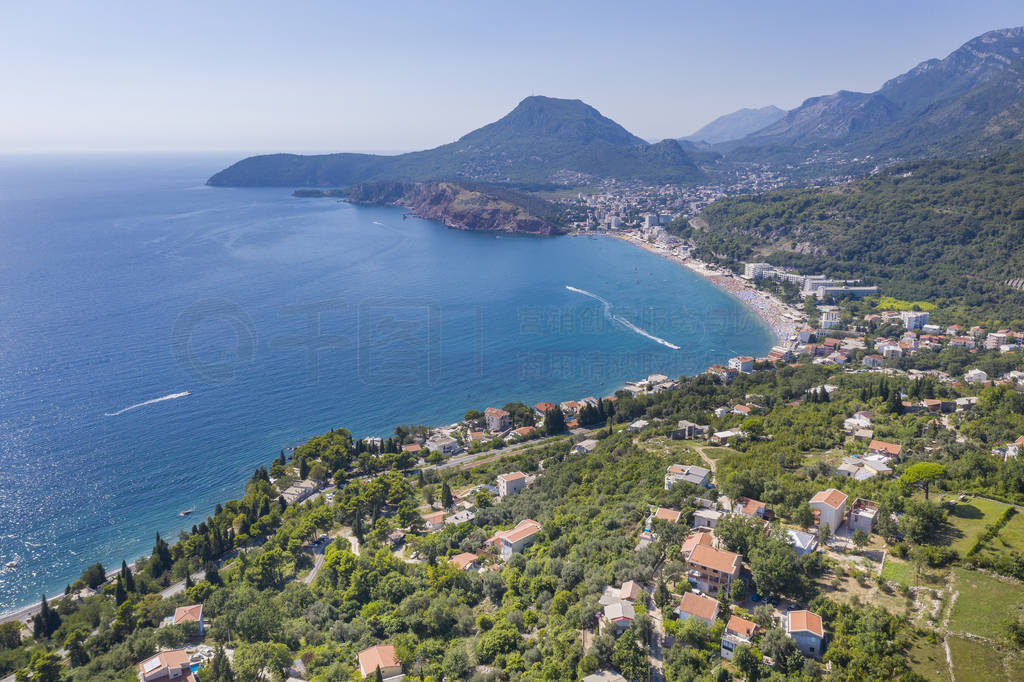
(318,561)
(491,455)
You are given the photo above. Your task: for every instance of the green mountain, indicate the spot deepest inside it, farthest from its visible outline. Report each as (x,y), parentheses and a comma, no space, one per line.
(950,232)
(736,125)
(968,102)
(543,141)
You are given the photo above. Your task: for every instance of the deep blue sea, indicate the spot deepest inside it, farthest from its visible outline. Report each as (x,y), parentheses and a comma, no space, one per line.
(260,320)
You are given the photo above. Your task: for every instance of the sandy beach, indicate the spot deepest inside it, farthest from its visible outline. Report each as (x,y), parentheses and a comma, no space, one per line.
(784,319)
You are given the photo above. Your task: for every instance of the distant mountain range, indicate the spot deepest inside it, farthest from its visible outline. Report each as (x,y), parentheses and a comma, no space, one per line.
(736,125)
(969,102)
(543,141)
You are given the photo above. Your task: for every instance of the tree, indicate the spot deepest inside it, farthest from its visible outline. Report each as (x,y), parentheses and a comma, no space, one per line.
(220,667)
(777,645)
(94,576)
(456,662)
(446,495)
(77,655)
(803,516)
(661,595)
(629,658)
(747,661)
(251,660)
(46,621)
(554,422)
(473,416)
(45,666)
(824,533)
(126,575)
(10,635)
(120,596)
(860,538)
(922,474)
(773,566)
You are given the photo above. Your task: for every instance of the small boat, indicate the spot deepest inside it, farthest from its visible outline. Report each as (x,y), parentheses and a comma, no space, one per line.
(11,565)
(185,512)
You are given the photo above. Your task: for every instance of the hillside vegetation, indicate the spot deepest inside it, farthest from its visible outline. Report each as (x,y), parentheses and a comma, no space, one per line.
(950,232)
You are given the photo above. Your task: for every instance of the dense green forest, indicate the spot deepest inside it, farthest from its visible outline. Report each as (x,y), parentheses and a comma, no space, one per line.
(950,232)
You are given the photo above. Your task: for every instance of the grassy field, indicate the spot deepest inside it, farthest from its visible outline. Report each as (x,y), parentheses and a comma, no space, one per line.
(1010,538)
(715,453)
(984,603)
(900,571)
(675,451)
(968,519)
(928,659)
(974,660)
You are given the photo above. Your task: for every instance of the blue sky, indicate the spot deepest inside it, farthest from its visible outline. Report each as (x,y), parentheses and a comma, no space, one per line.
(334,76)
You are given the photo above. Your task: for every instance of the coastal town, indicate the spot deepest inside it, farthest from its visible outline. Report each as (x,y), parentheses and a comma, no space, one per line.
(436,342)
(706,542)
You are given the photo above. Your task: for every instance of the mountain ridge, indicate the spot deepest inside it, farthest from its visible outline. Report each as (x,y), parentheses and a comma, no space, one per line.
(893,119)
(543,140)
(736,125)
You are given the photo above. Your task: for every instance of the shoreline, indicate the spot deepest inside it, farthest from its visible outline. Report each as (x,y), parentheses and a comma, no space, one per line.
(29,608)
(783,319)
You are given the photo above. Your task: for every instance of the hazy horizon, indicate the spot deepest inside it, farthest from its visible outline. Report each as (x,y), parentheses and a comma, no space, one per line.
(258,77)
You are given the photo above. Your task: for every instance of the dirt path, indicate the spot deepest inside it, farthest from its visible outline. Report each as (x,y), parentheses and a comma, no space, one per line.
(707,460)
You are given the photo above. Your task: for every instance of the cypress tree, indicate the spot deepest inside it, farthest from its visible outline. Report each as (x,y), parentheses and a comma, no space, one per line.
(188,581)
(554,422)
(446,495)
(220,667)
(213,573)
(120,596)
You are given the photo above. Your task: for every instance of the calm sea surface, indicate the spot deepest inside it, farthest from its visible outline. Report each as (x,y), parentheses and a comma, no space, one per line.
(159,339)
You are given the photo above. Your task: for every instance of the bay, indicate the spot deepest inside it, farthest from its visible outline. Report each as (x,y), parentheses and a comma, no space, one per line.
(160,339)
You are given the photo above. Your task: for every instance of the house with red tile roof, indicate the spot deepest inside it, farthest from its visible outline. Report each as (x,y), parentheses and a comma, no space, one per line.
(434,521)
(694,539)
(544,408)
(697,606)
(511,483)
(744,506)
(737,631)
(381,657)
(515,540)
(830,508)
(711,570)
(188,614)
(880,447)
(167,665)
(807,632)
(464,562)
(497,419)
(669,515)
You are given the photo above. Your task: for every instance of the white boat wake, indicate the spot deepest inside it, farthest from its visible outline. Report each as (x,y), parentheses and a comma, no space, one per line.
(172,396)
(621,320)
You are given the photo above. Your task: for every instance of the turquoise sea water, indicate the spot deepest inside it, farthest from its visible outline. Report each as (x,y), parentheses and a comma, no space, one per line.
(160,339)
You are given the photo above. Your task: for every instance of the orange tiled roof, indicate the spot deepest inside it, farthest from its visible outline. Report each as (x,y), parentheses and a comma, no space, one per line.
(716,559)
(805,621)
(698,605)
(188,614)
(696,539)
(381,656)
(831,497)
(741,626)
(670,515)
